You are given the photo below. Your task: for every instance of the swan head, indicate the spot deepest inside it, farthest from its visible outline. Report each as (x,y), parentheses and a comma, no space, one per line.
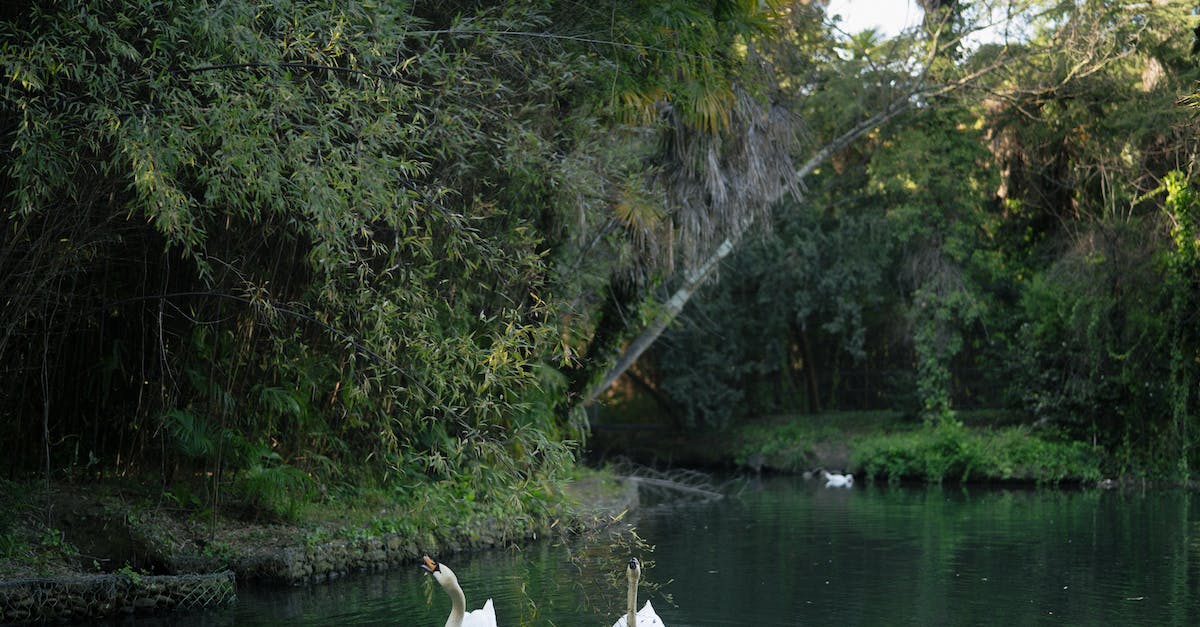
(634,572)
(440,572)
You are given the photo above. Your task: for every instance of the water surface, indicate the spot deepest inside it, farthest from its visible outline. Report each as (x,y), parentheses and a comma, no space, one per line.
(786,551)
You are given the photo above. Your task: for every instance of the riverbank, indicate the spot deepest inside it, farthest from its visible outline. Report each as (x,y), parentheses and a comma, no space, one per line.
(118,547)
(101,529)
(979,447)
(880,446)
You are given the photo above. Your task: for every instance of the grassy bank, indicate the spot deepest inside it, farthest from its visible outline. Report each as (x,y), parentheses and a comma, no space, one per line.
(123,526)
(881,446)
(980,446)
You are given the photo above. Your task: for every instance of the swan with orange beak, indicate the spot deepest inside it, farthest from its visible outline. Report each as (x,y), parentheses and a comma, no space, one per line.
(459,616)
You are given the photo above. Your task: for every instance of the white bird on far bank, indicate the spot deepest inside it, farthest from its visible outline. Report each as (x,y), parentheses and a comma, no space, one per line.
(836,480)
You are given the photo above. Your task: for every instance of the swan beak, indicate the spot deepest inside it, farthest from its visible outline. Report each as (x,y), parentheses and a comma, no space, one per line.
(429,566)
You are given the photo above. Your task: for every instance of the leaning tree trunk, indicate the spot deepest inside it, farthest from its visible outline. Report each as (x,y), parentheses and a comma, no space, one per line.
(670,311)
(694,279)
(697,277)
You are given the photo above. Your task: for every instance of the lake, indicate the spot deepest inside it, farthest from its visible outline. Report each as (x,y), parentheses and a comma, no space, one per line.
(786,551)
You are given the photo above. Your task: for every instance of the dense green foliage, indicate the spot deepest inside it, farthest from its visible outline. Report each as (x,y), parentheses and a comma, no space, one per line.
(1028,246)
(262,239)
(881,446)
(295,251)
(951,452)
(288,252)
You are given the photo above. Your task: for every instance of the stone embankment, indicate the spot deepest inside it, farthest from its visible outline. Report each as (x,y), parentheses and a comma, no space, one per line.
(599,501)
(102,596)
(285,557)
(327,561)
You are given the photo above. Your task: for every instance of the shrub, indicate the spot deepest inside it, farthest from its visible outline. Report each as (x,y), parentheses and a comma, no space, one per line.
(952,452)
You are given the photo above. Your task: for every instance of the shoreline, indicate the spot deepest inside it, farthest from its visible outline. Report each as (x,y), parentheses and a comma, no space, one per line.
(192,573)
(878,446)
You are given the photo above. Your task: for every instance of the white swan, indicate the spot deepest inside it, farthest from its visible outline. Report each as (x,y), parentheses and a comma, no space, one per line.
(644,617)
(835,480)
(459,616)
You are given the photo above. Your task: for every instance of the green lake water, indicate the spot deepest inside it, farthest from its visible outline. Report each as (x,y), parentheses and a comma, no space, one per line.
(785,551)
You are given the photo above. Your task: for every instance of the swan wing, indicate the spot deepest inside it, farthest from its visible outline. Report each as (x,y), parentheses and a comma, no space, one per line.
(647,617)
(485,617)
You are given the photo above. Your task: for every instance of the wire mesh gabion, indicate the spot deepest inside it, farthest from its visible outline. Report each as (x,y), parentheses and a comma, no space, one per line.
(95,596)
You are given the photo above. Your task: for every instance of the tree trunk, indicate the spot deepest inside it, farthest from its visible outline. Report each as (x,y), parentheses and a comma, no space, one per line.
(696,278)
(810,369)
(670,311)
(693,281)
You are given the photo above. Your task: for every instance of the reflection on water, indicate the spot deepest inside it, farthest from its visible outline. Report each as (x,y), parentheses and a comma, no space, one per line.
(792,553)
(789,552)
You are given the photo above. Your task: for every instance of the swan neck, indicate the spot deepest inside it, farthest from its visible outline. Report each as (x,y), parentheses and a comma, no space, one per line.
(458,605)
(631,620)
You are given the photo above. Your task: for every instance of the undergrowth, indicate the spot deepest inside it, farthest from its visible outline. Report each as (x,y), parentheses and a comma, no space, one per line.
(952,452)
(428,515)
(884,447)
(789,444)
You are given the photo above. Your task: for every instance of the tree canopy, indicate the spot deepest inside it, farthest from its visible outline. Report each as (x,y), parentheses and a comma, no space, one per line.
(292,246)
(284,246)
(1013,244)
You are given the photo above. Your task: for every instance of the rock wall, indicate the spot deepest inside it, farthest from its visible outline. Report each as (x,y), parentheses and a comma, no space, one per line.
(325,562)
(330,560)
(99,596)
